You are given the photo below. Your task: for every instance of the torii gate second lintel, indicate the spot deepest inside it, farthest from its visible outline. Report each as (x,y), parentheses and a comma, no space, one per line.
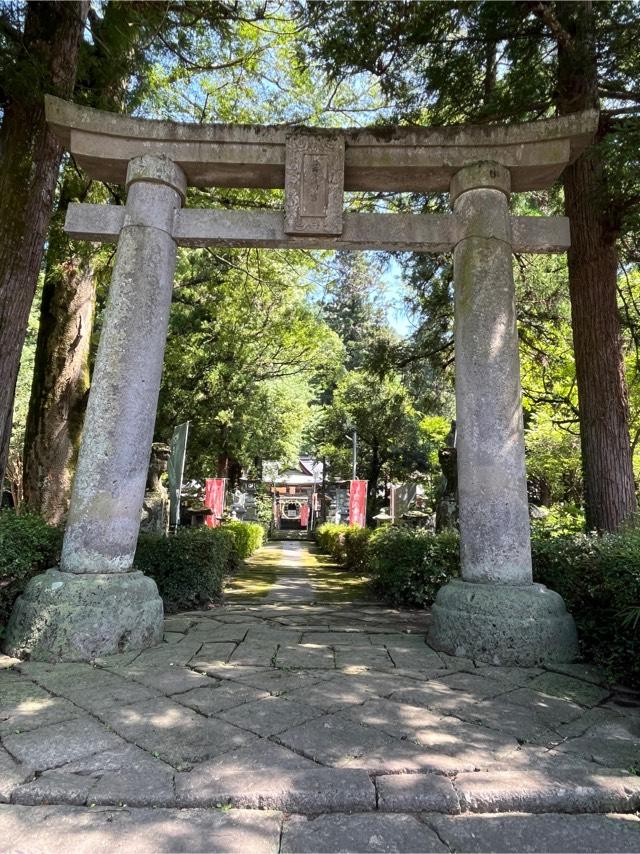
(95,604)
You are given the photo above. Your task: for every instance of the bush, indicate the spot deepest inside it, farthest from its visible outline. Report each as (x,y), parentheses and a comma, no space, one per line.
(354,548)
(330,540)
(408,565)
(27,546)
(599,580)
(248,536)
(189,568)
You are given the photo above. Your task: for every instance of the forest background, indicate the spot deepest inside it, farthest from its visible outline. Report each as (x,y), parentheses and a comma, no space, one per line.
(272,353)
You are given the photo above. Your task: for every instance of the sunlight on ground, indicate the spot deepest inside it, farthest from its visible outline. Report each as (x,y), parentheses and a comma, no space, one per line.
(260,573)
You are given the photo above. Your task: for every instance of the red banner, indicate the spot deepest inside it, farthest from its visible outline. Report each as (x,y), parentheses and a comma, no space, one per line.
(358,503)
(214,498)
(304,515)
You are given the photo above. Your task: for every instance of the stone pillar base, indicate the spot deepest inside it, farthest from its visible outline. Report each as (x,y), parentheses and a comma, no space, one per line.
(503,624)
(62,616)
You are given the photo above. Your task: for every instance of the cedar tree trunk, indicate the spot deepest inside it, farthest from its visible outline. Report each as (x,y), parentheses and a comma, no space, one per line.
(609,490)
(29,162)
(61,372)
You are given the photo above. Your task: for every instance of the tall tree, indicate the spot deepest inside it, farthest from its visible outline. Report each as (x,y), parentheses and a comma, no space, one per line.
(609,488)
(492,61)
(115,72)
(38,54)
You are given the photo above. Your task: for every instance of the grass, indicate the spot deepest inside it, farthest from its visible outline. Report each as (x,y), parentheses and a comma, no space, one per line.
(260,572)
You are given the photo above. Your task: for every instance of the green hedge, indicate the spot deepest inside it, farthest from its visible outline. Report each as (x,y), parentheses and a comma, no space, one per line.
(347,545)
(248,536)
(599,580)
(409,565)
(330,540)
(27,546)
(189,568)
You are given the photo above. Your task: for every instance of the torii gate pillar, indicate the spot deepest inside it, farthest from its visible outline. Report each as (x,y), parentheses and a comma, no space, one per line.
(495,613)
(96,603)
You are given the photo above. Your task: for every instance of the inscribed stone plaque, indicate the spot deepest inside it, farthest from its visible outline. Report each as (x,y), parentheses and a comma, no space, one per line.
(314,183)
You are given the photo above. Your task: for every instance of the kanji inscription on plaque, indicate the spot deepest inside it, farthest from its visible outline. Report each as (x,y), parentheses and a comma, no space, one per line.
(314,183)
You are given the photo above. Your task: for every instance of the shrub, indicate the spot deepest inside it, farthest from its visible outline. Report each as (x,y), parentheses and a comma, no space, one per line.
(408,566)
(599,580)
(189,567)
(27,546)
(330,540)
(248,536)
(354,549)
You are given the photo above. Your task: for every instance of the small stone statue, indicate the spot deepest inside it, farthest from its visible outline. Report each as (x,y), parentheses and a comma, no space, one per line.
(447,502)
(155,508)
(238,509)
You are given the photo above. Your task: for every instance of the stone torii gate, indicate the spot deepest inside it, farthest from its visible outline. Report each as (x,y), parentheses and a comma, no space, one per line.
(95,604)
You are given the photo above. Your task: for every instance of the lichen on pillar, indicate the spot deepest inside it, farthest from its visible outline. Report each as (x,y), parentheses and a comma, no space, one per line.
(96,604)
(494,613)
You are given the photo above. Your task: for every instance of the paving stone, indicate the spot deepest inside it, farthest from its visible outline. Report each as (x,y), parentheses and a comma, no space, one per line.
(169,655)
(54,787)
(219,697)
(12,775)
(586,672)
(345,690)
(166,680)
(334,639)
(437,696)
(175,733)
(416,793)
(347,833)
(614,742)
(178,624)
(516,676)
(274,778)
(212,653)
(516,721)
(256,653)
(549,786)
(60,743)
(305,656)
(440,734)
(91,688)
(172,637)
(125,757)
(480,685)
(568,688)
(220,632)
(41,830)
(333,740)
(371,658)
(270,716)
(538,834)
(279,681)
(264,632)
(418,659)
(25,706)
(552,711)
(134,788)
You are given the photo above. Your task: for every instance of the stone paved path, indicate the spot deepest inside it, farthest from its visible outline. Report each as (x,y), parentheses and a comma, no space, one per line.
(281,726)
(294,571)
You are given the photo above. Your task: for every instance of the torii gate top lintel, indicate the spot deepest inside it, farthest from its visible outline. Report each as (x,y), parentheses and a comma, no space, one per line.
(394,159)
(315,166)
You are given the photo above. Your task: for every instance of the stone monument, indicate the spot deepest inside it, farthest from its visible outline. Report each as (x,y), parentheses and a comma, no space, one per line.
(447,501)
(95,603)
(155,507)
